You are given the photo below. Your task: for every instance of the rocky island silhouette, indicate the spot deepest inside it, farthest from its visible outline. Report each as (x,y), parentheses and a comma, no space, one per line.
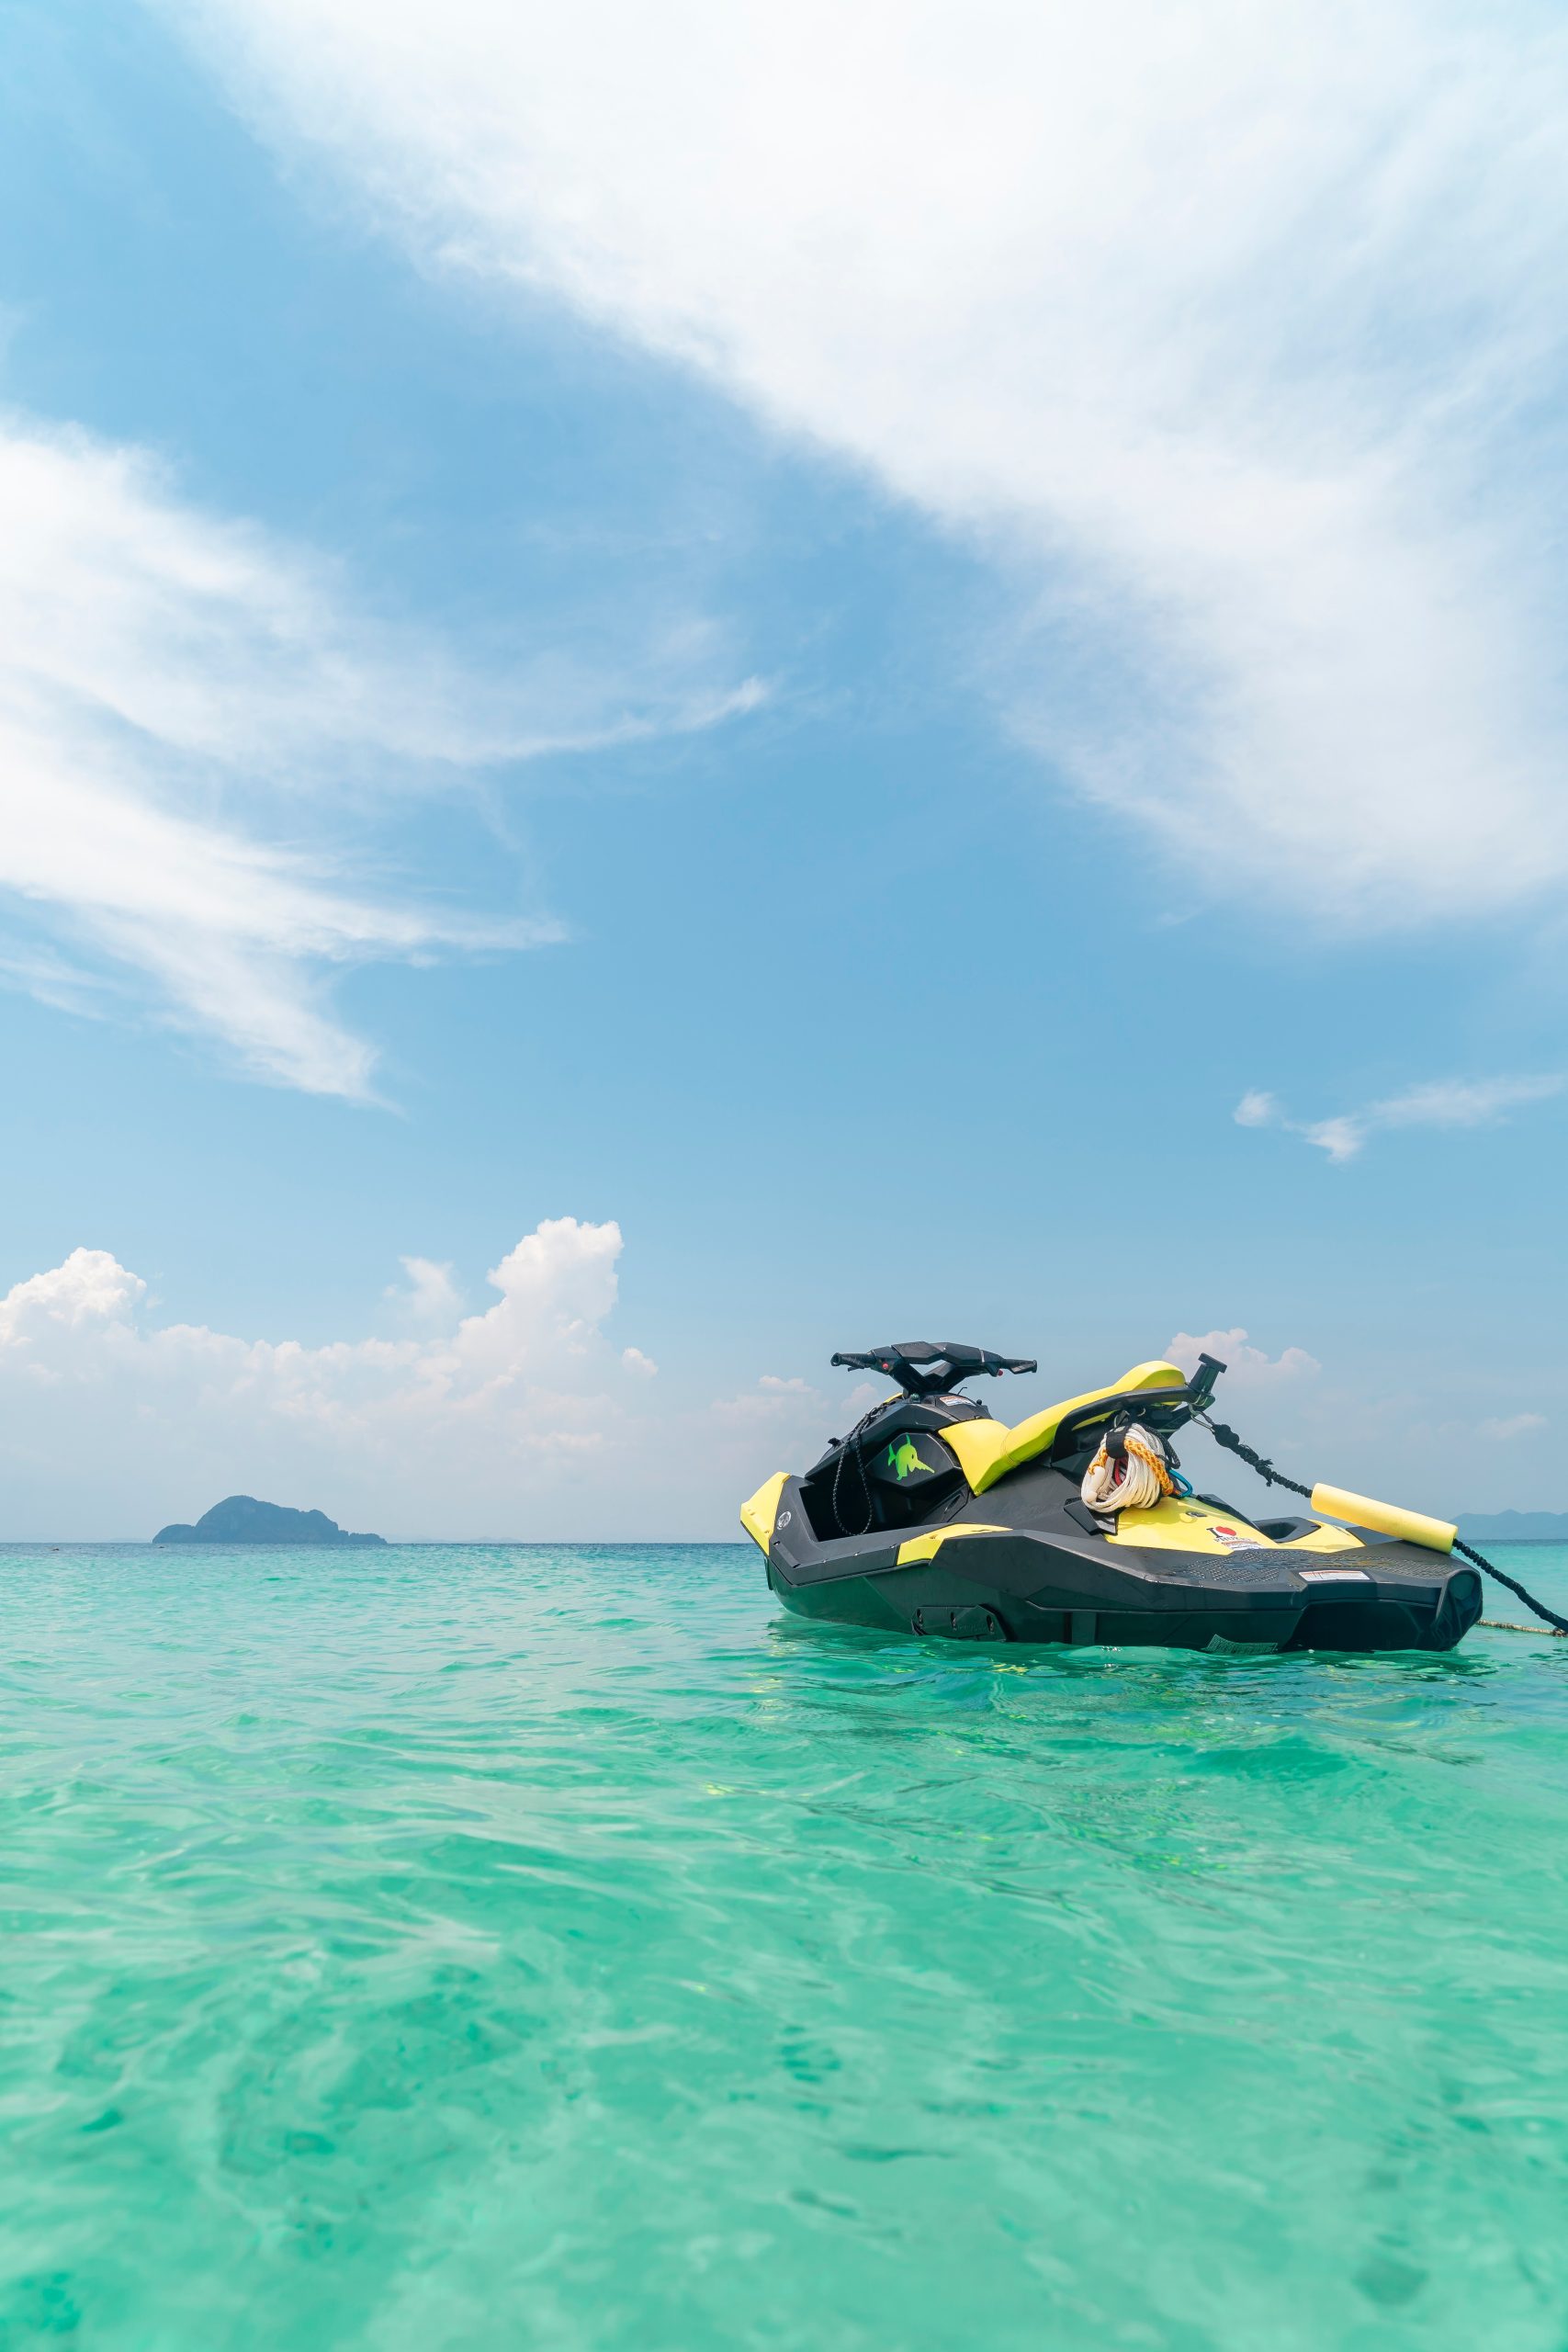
(241,1519)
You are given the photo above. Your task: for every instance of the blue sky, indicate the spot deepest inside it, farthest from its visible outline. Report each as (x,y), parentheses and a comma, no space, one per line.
(768,641)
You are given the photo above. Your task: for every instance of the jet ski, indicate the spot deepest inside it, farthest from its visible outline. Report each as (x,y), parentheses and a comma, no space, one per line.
(1077,1526)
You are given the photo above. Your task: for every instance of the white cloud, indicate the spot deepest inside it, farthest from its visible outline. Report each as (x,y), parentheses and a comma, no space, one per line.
(1445,1103)
(473,1429)
(157,665)
(524,1421)
(43,1317)
(431,1295)
(1245,1366)
(774,1402)
(1461,1103)
(1341,1138)
(1221,327)
(1520,1425)
(784,1420)
(1256,1390)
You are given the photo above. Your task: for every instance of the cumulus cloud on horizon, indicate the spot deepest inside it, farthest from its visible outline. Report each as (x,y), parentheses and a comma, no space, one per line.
(525,1418)
(1246,1365)
(480,1414)
(1221,330)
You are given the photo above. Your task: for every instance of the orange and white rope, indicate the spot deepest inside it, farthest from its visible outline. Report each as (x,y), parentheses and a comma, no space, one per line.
(1132,1484)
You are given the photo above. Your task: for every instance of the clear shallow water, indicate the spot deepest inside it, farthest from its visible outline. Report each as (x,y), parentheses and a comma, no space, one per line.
(510,1948)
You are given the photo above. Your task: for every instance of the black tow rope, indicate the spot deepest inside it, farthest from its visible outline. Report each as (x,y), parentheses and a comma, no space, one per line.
(1559,1625)
(1272,1478)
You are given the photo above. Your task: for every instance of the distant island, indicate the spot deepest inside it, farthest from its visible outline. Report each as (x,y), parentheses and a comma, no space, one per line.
(242,1520)
(1514,1526)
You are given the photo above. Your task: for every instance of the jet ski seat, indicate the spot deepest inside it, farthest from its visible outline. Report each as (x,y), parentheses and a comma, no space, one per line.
(986,1451)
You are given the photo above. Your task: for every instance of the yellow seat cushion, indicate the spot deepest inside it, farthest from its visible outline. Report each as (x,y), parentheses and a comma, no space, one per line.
(986,1451)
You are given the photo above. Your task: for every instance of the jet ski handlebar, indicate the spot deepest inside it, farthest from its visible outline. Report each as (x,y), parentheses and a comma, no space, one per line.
(924,1368)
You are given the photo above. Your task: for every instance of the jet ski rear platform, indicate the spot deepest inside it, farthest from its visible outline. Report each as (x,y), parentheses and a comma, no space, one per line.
(932,1519)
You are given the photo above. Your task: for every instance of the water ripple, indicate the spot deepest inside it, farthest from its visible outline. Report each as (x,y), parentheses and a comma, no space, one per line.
(467,1949)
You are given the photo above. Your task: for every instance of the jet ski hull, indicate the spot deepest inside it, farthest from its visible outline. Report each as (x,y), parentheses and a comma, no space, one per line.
(1059,1584)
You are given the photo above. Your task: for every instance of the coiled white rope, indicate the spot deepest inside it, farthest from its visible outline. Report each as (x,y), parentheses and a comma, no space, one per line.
(1135,1482)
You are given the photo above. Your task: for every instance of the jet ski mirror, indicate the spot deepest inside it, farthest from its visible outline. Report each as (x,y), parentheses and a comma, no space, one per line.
(926,1368)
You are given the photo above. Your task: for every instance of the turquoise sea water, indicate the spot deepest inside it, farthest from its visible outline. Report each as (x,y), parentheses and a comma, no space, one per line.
(557,1947)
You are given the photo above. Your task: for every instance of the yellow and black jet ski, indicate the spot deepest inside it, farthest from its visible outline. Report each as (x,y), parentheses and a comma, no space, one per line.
(1077,1526)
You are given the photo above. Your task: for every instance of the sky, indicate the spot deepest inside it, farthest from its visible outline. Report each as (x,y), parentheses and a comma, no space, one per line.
(681,689)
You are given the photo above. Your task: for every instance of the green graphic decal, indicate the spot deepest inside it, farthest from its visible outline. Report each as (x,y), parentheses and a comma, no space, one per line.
(903,1457)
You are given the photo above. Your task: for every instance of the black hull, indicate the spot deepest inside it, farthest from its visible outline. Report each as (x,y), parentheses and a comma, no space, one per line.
(1050,1584)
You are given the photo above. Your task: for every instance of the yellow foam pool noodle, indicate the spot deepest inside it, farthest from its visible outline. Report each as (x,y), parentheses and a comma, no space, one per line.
(1387,1519)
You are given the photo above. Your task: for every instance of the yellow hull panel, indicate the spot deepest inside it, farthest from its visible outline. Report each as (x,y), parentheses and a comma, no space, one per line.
(757,1516)
(1176,1524)
(1173,1525)
(926,1547)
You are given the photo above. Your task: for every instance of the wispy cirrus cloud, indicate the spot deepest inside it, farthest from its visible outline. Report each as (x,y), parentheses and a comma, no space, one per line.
(1516,1425)
(1444,1103)
(1222,329)
(194,720)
